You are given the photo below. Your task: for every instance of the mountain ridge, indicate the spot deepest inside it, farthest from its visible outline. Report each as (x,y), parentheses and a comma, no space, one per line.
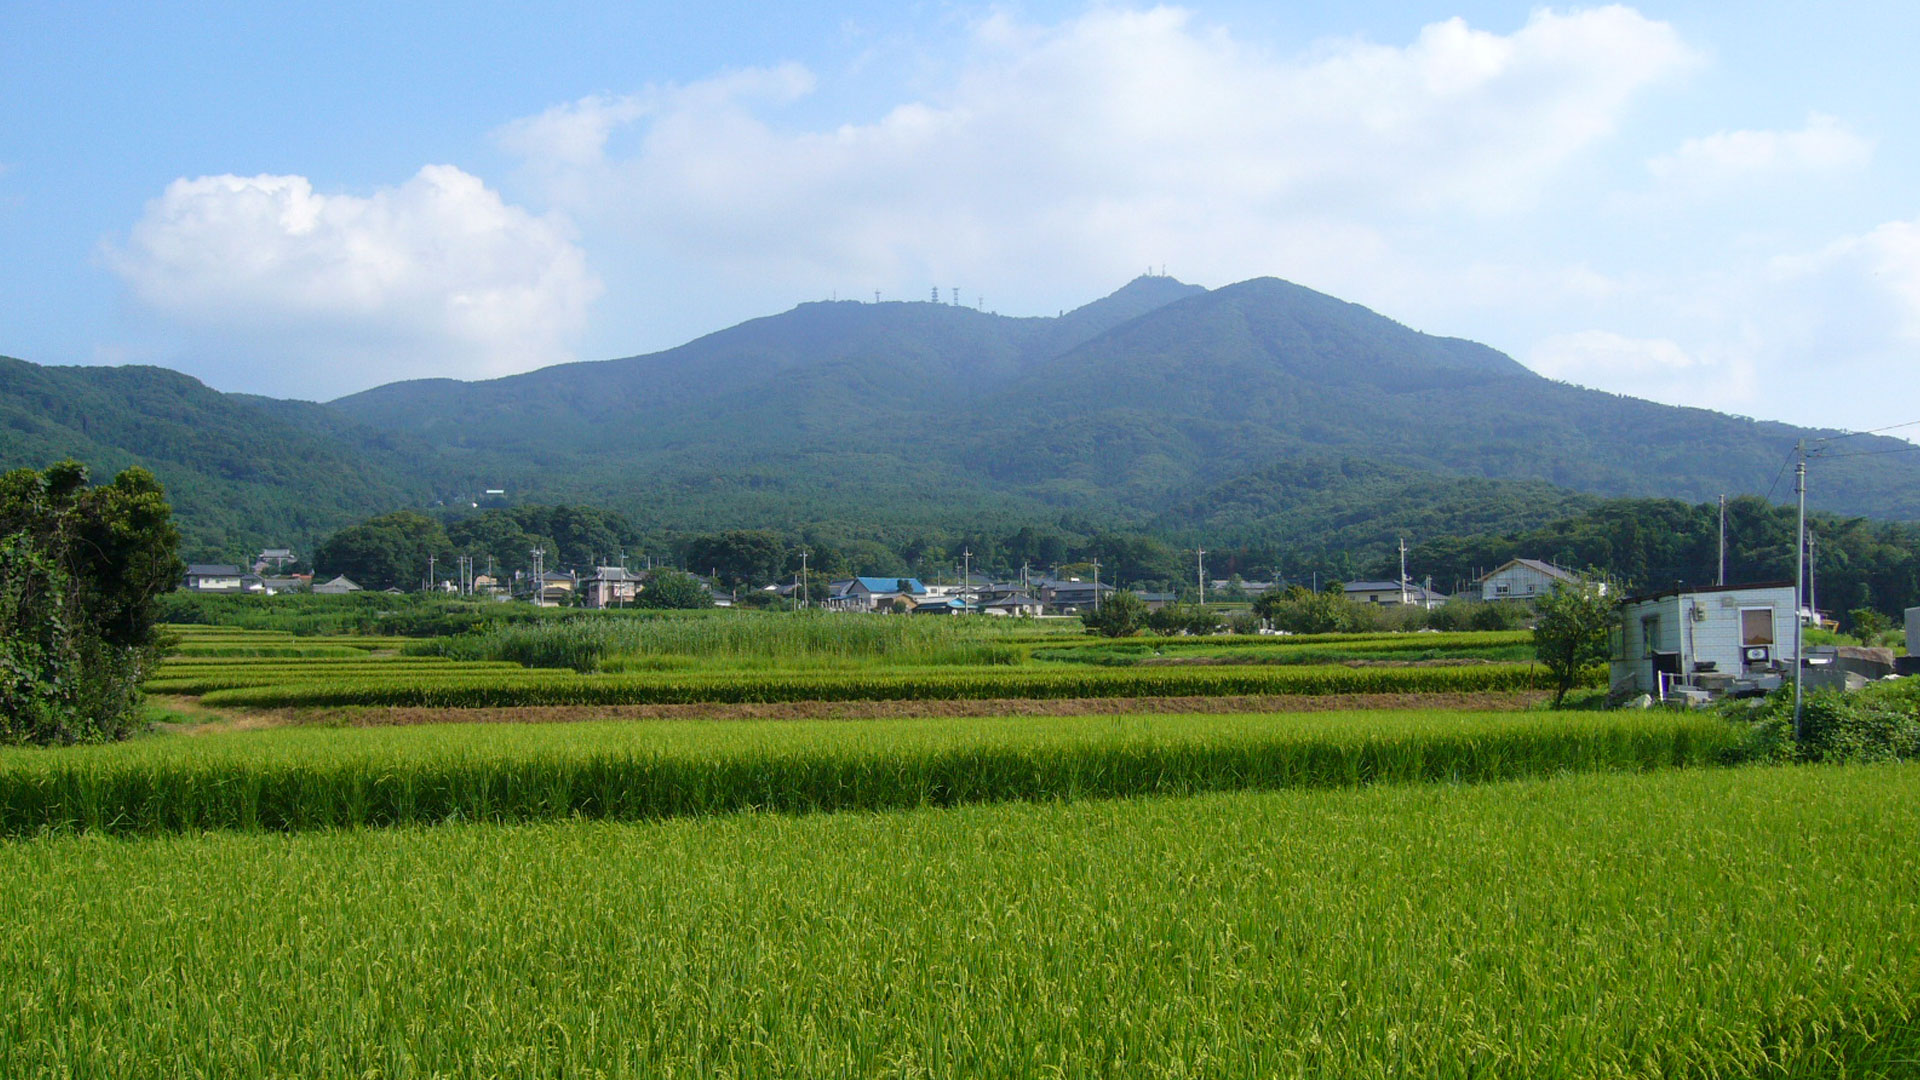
(1136,408)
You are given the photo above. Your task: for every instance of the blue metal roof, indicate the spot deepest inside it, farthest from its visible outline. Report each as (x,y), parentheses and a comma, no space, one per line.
(892,584)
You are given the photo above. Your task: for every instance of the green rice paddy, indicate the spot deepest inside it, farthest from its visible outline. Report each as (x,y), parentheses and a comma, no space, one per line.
(1707,923)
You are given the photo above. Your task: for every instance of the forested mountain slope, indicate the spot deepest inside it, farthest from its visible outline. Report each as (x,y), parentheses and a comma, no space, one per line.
(1262,409)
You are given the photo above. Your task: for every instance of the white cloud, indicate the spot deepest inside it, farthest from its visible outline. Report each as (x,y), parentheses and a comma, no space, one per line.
(319,294)
(1827,337)
(1824,146)
(1061,157)
(1656,368)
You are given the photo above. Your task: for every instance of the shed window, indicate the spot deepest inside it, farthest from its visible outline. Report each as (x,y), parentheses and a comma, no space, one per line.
(1756,626)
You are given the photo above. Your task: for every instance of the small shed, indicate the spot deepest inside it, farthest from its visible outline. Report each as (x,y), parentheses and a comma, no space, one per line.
(1717,637)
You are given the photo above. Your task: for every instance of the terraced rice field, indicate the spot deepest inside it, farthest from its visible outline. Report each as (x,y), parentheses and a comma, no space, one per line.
(1421,892)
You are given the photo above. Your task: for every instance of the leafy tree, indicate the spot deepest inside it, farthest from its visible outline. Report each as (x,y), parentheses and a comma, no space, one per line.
(1302,611)
(1183,619)
(81,572)
(1571,634)
(390,551)
(740,556)
(1120,614)
(672,589)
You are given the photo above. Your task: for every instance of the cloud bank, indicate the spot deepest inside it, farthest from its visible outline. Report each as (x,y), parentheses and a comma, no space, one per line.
(1058,158)
(280,288)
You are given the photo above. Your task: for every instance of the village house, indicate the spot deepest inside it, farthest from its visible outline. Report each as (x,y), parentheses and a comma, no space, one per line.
(1525,579)
(339,586)
(1706,640)
(1392,592)
(273,559)
(221,578)
(873,593)
(609,586)
(1014,604)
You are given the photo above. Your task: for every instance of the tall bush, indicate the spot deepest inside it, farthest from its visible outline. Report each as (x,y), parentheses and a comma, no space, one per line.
(81,571)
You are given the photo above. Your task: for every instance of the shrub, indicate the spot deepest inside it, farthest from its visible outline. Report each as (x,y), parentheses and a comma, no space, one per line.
(1120,614)
(80,570)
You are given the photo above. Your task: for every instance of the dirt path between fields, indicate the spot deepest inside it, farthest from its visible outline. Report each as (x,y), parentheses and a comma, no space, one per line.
(208,720)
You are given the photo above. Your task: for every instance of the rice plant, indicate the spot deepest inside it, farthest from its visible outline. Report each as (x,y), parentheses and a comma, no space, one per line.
(301,778)
(1708,924)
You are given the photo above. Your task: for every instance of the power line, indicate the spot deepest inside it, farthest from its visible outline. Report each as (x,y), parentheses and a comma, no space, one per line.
(1869,453)
(1788,460)
(1874,431)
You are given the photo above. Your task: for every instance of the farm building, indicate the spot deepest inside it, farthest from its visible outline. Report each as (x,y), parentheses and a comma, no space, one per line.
(1713,638)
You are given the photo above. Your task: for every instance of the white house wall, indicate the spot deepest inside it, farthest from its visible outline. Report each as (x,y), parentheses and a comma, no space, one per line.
(1700,627)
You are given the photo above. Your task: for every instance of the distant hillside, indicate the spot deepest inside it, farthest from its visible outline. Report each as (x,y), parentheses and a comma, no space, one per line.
(1262,410)
(241,472)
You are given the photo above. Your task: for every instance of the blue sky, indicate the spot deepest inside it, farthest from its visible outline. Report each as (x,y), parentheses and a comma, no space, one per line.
(1699,203)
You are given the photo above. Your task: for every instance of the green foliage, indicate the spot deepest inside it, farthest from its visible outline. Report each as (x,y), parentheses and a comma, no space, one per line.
(1570,635)
(388,552)
(80,570)
(742,557)
(1119,614)
(1878,723)
(1300,611)
(1184,619)
(673,590)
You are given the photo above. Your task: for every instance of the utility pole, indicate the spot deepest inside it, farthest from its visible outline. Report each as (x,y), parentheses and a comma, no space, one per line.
(1813,576)
(1200,571)
(1799,591)
(429,571)
(1096,585)
(539,575)
(1403,571)
(966,573)
(1722,579)
(803,578)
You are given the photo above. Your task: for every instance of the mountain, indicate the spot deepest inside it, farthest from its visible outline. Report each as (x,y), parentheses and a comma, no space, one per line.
(1262,410)
(239,470)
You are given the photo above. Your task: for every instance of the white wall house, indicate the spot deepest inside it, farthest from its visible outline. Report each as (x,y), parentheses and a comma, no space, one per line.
(1524,579)
(1745,631)
(1391,592)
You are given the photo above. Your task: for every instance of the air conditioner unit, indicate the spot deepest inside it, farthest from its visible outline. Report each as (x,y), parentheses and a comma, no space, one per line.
(1758,654)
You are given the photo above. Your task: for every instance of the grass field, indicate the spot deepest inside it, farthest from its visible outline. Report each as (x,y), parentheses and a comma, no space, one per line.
(302,778)
(1708,923)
